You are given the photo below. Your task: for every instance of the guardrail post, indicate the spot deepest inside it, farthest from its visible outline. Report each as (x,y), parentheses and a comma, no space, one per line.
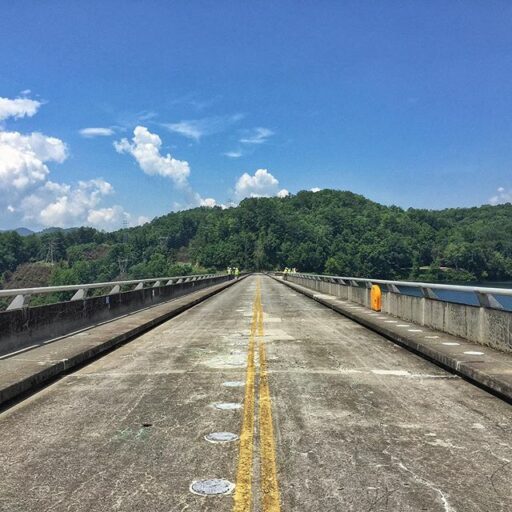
(80,294)
(157,284)
(139,286)
(115,289)
(487,300)
(19,302)
(428,293)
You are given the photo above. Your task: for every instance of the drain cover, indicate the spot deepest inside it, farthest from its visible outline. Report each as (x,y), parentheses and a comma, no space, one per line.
(226,406)
(233,384)
(212,487)
(221,437)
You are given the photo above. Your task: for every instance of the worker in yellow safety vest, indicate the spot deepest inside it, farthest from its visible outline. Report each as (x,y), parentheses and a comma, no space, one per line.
(237,272)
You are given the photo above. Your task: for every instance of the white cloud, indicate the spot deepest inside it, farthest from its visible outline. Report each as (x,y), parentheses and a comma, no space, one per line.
(106,217)
(233,154)
(142,219)
(26,191)
(257,136)
(23,157)
(145,148)
(283,193)
(315,189)
(18,107)
(195,129)
(261,184)
(96,132)
(188,129)
(63,205)
(209,202)
(502,196)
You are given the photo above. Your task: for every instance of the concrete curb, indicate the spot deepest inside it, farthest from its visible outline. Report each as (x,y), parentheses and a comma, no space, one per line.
(110,334)
(490,369)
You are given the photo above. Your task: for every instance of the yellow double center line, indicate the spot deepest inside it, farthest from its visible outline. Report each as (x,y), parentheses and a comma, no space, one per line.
(269,485)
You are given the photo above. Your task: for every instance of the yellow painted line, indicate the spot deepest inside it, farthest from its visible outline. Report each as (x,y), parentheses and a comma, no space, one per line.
(242,496)
(269,484)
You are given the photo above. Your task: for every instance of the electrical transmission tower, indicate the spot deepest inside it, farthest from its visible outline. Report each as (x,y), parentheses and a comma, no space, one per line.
(50,254)
(163,242)
(123,261)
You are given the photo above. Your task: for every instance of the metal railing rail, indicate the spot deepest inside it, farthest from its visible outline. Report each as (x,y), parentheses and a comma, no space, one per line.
(22,295)
(486,296)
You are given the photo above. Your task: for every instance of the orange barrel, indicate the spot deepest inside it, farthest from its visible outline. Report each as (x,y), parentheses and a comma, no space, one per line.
(376,297)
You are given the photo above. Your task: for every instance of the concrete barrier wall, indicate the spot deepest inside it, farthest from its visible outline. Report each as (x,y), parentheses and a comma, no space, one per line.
(29,326)
(486,326)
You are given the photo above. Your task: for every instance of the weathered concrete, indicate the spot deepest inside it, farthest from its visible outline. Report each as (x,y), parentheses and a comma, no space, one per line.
(486,367)
(360,423)
(485,326)
(24,371)
(28,326)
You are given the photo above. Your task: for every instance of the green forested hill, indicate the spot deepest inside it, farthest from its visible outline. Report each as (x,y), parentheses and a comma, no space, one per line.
(328,231)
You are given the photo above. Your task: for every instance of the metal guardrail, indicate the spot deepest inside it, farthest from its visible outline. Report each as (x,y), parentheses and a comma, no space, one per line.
(483,296)
(22,295)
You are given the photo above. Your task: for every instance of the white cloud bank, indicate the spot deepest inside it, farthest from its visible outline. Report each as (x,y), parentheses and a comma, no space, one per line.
(60,204)
(90,133)
(145,148)
(502,196)
(26,192)
(233,154)
(18,107)
(23,159)
(195,129)
(261,184)
(257,136)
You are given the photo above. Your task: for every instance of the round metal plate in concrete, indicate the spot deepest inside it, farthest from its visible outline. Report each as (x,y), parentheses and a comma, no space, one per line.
(212,487)
(227,406)
(233,384)
(221,437)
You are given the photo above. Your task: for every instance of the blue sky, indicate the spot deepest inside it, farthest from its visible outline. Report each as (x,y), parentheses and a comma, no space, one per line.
(407,103)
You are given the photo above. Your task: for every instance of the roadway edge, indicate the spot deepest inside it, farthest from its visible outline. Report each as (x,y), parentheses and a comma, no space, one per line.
(13,391)
(497,382)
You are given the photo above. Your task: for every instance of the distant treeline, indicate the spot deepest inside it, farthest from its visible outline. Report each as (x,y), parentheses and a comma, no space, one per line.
(329,232)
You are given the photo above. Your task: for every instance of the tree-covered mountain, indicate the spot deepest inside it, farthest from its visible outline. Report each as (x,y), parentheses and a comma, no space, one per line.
(329,231)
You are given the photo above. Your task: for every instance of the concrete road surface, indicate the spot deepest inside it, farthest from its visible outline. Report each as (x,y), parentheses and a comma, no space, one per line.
(336,418)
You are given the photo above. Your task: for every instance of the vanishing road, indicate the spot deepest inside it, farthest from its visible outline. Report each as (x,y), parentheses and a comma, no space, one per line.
(313,411)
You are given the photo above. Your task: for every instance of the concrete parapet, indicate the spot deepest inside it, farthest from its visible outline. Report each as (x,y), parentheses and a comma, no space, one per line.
(22,328)
(20,373)
(490,368)
(482,325)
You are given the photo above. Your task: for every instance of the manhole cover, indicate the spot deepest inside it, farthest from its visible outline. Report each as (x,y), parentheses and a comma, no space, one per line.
(221,437)
(212,487)
(226,406)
